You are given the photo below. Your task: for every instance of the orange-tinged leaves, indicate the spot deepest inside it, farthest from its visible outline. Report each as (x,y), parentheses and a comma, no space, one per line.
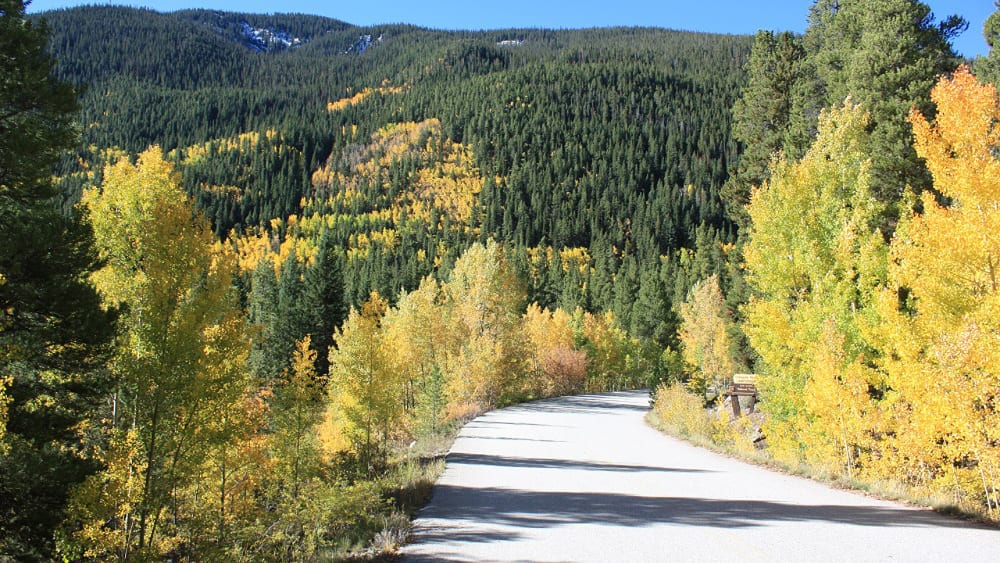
(941,359)
(558,368)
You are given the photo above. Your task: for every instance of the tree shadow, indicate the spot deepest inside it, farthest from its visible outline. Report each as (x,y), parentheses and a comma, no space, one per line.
(620,401)
(434,534)
(538,509)
(545,463)
(474,437)
(481,421)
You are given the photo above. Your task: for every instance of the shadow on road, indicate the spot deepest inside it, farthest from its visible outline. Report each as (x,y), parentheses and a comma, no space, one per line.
(473,437)
(543,463)
(483,421)
(533,509)
(585,403)
(431,534)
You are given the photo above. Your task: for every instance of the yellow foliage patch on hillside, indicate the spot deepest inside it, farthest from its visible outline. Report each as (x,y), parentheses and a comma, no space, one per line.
(359,97)
(439,193)
(408,179)
(257,244)
(242,142)
(575,257)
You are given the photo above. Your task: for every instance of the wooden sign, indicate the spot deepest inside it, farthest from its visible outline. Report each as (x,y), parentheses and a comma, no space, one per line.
(744,385)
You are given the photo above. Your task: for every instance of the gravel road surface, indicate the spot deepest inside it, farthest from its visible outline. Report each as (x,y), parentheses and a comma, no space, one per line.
(584,479)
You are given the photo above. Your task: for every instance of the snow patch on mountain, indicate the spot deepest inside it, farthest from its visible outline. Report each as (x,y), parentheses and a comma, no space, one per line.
(363,43)
(263,39)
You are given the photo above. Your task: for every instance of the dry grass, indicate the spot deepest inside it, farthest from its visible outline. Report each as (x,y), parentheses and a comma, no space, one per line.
(688,419)
(408,485)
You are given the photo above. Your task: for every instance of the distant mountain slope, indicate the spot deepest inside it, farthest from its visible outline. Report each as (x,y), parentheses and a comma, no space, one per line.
(615,140)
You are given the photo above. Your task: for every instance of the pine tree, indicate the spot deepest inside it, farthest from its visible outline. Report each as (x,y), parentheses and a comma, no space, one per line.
(762,115)
(53,333)
(266,359)
(324,300)
(886,55)
(987,67)
(293,317)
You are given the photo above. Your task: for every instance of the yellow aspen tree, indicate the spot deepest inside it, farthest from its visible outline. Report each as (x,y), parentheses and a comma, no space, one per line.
(4,384)
(486,301)
(213,498)
(295,414)
(104,508)
(839,410)
(4,402)
(365,392)
(943,302)
(557,367)
(611,355)
(293,479)
(705,334)
(182,352)
(224,496)
(421,335)
(814,259)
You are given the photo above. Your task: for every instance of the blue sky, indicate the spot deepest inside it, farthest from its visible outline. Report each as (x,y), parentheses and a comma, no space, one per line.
(720,16)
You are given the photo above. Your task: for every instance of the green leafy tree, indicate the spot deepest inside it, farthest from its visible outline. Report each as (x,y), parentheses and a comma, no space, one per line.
(431,403)
(53,334)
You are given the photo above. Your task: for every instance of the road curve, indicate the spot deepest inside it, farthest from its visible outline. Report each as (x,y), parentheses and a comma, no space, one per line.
(584,479)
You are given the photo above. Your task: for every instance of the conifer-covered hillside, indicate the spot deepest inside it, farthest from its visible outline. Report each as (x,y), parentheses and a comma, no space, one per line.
(615,141)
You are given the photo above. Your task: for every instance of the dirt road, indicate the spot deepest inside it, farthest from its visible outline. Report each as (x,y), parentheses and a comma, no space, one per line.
(584,479)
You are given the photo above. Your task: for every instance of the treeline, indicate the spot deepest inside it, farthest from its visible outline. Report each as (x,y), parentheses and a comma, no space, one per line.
(609,146)
(867,256)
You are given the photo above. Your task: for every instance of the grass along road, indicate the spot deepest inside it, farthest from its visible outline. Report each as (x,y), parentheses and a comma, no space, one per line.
(585,479)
